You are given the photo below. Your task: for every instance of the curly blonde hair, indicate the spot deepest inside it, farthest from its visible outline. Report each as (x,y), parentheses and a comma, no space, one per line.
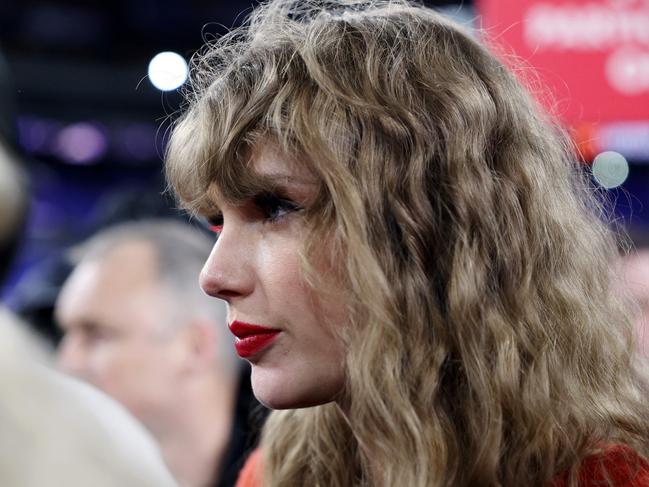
(485,344)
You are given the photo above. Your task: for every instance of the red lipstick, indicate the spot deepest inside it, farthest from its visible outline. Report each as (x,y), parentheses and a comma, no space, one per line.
(252,339)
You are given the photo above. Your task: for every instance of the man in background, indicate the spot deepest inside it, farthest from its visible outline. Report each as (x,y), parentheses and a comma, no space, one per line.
(137,326)
(54,428)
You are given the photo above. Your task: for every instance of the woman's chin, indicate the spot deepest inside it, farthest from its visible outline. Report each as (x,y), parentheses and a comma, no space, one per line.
(289,393)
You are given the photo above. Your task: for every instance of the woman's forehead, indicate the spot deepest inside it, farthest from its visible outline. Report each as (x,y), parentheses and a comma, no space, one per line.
(269,162)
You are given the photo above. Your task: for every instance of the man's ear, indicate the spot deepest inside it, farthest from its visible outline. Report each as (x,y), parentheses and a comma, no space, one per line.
(199,339)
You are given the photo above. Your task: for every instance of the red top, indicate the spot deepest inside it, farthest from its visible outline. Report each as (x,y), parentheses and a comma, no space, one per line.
(620,463)
(250,475)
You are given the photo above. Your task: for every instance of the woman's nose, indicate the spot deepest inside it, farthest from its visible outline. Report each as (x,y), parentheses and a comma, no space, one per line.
(226,273)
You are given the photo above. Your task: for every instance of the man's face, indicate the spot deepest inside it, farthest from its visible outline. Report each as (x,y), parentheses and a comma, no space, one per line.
(112,312)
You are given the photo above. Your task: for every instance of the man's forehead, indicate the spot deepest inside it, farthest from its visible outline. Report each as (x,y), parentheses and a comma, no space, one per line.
(636,266)
(138,258)
(634,275)
(119,276)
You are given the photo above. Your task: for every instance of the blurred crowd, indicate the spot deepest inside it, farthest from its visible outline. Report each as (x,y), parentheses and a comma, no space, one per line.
(119,371)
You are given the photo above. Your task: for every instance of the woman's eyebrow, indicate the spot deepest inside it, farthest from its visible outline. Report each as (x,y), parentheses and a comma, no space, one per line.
(278,178)
(255,184)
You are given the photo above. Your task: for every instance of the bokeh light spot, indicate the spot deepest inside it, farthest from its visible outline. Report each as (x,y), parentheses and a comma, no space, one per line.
(81,143)
(610,169)
(168,71)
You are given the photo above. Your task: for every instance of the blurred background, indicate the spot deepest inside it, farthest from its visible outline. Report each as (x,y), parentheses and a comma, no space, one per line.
(87,100)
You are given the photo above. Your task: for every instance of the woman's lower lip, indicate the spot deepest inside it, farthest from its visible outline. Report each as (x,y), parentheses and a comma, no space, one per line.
(253,344)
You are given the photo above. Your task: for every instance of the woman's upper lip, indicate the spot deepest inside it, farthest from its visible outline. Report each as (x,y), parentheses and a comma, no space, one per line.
(242,330)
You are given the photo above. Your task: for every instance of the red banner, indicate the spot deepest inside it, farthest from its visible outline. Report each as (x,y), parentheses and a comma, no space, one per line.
(592,54)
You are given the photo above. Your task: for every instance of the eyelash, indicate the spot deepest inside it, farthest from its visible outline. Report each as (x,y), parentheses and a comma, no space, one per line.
(214,223)
(272,207)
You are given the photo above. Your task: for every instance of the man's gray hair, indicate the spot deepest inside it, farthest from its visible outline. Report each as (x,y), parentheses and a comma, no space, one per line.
(180,252)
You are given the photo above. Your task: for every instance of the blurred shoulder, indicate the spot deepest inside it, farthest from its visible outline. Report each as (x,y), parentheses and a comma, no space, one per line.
(76,435)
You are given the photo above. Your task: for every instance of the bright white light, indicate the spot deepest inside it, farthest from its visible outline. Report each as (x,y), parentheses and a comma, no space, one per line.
(610,169)
(168,71)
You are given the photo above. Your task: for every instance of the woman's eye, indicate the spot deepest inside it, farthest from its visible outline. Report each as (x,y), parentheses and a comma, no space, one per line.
(274,207)
(214,223)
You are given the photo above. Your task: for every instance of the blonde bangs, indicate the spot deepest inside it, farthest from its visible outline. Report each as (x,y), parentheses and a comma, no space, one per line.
(243,102)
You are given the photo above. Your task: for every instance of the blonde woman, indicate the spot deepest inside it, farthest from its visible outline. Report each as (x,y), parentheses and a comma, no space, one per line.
(413,264)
